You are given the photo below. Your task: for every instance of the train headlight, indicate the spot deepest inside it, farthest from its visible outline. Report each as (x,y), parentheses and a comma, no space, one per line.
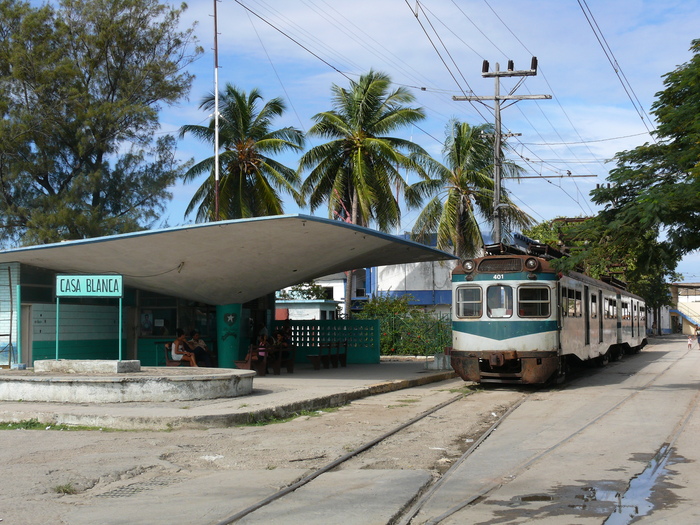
(532,264)
(468,265)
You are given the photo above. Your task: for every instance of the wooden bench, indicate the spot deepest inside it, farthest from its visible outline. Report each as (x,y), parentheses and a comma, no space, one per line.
(332,354)
(169,361)
(343,353)
(279,360)
(256,359)
(322,358)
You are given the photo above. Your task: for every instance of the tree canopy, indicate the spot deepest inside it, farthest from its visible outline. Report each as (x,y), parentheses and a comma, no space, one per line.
(251,180)
(81,84)
(656,187)
(635,257)
(357,171)
(462,191)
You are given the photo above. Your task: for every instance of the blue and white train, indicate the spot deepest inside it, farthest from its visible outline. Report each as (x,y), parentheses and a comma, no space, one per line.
(517,320)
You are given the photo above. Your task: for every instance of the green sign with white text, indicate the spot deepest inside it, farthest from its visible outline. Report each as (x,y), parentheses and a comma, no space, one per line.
(89,286)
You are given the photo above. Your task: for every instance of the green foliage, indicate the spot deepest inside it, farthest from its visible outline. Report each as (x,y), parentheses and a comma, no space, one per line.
(35,424)
(462,192)
(81,83)
(656,187)
(251,182)
(634,257)
(357,172)
(66,488)
(652,203)
(308,291)
(405,329)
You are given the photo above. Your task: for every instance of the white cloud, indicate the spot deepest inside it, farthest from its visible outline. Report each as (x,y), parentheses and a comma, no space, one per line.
(648,39)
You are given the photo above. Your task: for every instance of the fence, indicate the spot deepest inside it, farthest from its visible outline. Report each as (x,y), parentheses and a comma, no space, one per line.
(362,337)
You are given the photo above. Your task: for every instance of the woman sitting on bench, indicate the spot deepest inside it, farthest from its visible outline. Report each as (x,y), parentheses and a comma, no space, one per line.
(180,349)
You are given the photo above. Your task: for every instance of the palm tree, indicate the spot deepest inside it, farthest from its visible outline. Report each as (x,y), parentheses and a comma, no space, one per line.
(462,190)
(357,171)
(250,181)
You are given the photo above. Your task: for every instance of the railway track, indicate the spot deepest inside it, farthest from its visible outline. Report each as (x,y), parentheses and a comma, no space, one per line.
(415,513)
(409,518)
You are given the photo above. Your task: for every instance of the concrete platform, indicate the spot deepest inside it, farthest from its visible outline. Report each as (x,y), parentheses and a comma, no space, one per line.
(271,397)
(69,382)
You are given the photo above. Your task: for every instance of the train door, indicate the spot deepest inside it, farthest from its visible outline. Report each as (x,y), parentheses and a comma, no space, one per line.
(586,317)
(618,317)
(600,316)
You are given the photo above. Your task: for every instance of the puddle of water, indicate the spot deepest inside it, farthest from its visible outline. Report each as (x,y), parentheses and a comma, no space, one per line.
(635,501)
(536,497)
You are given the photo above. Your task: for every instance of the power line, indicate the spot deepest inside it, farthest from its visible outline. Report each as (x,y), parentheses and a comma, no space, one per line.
(292,39)
(584,141)
(615,65)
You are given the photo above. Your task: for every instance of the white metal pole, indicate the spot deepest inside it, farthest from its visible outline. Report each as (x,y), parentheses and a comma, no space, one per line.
(216,115)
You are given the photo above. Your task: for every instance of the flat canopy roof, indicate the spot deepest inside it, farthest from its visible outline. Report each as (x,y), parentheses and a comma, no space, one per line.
(229,261)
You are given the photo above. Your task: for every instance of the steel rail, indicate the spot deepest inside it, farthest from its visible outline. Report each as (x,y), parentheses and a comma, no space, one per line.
(291,488)
(525,465)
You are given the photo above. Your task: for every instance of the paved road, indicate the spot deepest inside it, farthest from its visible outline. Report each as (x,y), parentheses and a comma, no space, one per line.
(614,445)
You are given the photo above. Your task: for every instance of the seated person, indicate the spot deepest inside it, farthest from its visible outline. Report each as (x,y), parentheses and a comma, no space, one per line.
(281,344)
(199,347)
(180,349)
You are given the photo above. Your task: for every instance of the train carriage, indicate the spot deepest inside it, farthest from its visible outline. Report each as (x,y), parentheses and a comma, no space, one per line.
(516,320)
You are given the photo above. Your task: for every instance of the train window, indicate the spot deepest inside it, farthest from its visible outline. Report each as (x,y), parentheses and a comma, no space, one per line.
(499,301)
(606,309)
(469,301)
(564,302)
(533,301)
(594,306)
(577,304)
(625,310)
(572,302)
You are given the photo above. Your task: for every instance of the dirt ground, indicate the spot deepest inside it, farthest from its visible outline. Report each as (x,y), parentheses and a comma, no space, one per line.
(45,470)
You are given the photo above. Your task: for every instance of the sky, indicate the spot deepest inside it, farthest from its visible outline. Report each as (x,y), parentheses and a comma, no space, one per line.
(601,61)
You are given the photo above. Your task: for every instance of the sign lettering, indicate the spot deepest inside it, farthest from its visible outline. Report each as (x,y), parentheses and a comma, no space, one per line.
(89,286)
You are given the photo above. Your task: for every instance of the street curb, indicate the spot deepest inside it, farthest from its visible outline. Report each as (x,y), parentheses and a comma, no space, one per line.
(232,419)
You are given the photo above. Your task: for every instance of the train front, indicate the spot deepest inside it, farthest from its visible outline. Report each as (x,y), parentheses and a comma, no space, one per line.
(504,320)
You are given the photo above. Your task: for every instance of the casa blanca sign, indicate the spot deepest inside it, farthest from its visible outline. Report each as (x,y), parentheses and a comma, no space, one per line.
(89,286)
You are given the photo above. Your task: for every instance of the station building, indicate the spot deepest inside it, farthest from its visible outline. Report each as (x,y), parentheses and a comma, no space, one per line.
(217,278)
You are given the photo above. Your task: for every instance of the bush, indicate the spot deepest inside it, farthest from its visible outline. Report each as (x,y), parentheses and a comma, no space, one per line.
(406,329)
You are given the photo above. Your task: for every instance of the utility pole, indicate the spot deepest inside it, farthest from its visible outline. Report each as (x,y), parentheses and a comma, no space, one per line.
(216,114)
(497,98)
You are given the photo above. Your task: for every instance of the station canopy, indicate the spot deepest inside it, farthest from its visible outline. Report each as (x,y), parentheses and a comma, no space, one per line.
(230,261)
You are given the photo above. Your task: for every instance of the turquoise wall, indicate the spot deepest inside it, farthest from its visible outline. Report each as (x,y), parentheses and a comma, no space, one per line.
(362,337)
(83,349)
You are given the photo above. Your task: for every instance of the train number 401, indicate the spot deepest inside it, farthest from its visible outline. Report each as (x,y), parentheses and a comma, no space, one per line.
(498,276)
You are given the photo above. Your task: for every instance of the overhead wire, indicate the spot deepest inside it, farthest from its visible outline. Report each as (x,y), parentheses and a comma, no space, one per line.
(607,50)
(554,128)
(272,65)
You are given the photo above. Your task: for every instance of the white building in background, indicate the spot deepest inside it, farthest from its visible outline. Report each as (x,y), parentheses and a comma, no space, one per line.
(429,284)
(306,309)
(685,316)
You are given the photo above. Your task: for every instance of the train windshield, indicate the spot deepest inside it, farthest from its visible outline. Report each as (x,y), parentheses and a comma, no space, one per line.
(499,301)
(469,301)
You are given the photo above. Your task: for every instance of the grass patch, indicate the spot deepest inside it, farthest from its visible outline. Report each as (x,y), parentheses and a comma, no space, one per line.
(35,424)
(404,402)
(66,488)
(272,420)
